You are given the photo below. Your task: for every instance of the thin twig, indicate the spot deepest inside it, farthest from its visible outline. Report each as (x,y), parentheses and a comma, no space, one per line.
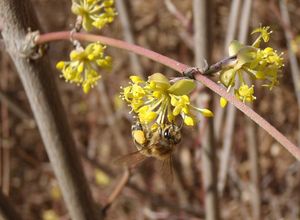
(241,187)
(186,23)
(231,30)
(250,127)
(292,56)
(231,113)
(158,201)
(251,135)
(117,191)
(232,23)
(284,23)
(111,119)
(128,34)
(202,38)
(245,21)
(65,35)
(226,149)
(186,33)
(254,168)
(219,65)
(154,198)
(181,68)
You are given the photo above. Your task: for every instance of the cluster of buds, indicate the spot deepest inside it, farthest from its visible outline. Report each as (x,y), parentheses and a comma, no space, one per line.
(157,101)
(259,64)
(82,69)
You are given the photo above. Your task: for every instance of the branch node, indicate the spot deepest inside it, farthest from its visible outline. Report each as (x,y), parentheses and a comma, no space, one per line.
(191,72)
(75,42)
(30,49)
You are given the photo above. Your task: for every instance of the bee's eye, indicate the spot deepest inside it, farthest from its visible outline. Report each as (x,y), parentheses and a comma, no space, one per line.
(167,134)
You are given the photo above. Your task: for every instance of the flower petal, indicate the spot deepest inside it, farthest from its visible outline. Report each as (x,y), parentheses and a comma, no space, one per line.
(234,47)
(182,87)
(160,80)
(189,121)
(206,112)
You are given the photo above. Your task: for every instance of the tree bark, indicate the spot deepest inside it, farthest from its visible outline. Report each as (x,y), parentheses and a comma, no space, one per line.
(40,87)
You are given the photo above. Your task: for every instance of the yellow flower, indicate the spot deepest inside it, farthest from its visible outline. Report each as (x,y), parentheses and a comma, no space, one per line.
(181,104)
(265,65)
(245,93)
(83,64)
(259,64)
(264,34)
(157,101)
(95,13)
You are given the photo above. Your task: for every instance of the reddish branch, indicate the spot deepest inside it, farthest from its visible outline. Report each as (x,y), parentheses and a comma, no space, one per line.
(65,35)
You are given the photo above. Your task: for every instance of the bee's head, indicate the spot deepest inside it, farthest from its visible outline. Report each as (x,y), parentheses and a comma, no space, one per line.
(172,134)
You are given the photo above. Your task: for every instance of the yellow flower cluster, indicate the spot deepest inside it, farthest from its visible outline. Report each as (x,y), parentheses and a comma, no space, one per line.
(259,64)
(95,13)
(83,65)
(157,101)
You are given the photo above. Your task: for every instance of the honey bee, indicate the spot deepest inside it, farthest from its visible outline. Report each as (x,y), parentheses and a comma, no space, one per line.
(158,143)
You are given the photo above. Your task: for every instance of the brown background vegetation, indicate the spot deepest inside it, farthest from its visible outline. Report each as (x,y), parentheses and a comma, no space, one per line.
(103,136)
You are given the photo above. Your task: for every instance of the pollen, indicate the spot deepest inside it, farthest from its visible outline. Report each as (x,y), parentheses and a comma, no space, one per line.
(139,136)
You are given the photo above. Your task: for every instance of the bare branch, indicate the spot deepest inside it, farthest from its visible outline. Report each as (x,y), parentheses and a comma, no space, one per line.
(117,191)
(255,191)
(230,35)
(202,29)
(111,118)
(47,109)
(128,34)
(292,56)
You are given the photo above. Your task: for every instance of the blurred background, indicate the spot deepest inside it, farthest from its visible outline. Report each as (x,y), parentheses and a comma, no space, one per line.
(257,178)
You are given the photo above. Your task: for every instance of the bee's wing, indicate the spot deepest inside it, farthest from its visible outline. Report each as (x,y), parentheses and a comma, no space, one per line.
(132,160)
(167,169)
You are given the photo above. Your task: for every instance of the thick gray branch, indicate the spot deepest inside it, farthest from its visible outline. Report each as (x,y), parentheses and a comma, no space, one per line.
(39,84)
